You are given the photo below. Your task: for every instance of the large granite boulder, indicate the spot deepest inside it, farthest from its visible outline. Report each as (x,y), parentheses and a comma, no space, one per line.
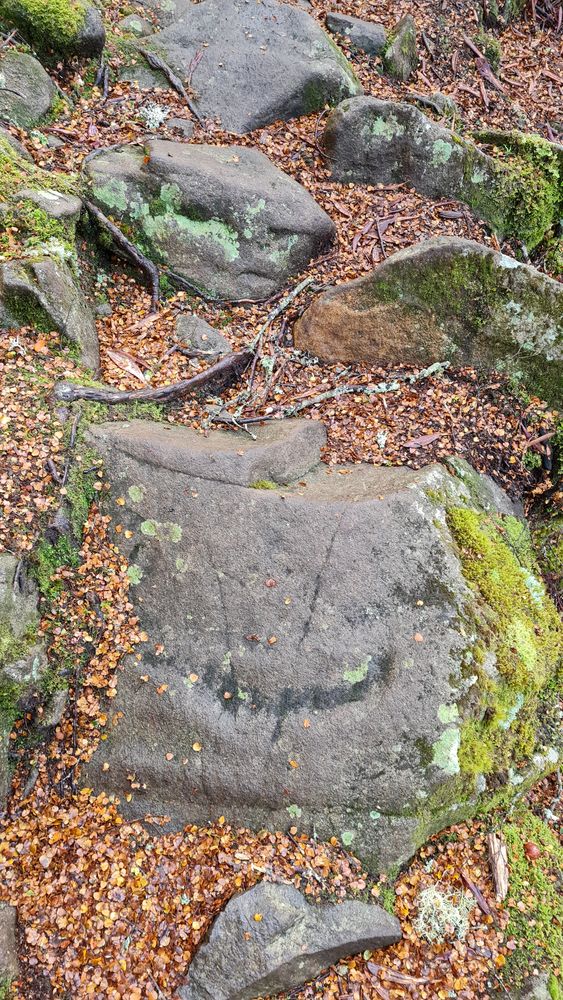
(270,940)
(445,299)
(27,92)
(222,217)
(67,27)
(260,62)
(360,654)
(519,193)
(43,293)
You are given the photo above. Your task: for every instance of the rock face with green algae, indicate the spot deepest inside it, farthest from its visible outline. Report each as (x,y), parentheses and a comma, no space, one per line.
(518,193)
(22,658)
(263,62)
(376,632)
(27,92)
(445,299)
(223,217)
(67,27)
(400,55)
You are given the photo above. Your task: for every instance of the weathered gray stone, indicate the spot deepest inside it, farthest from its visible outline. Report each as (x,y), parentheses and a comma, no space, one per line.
(338,599)
(135,25)
(9,965)
(222,217)
(368,36)
(16,145)
(261,62)
(22,659)
(79,31)
(371,141)
(442,104)
(26,91)
(244,958)
(43,293)
(182,125)
(200,336)
(535,988)
(56,204)
(400,56)
(445,299)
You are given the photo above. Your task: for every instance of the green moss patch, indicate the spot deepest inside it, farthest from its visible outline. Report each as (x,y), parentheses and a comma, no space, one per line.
(535,885)
(518,653)
(48,559)
(47,24)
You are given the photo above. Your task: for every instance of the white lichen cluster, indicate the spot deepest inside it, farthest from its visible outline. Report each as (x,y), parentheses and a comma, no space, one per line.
(442,915)
(153,115)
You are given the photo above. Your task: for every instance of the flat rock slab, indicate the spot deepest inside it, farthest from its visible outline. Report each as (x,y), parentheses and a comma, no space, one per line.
(260,62)
(368,141)
(224,218)
(445,298)
(244,957)
(368,36)
(27,92)
(9,965)
(44,292)
(338,599)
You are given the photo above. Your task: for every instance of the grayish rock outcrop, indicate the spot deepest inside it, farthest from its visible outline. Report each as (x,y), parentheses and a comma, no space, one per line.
(368,36)
(445,299)
(244,957)
(371,141)
(223,217)
(44,294)
(261,62)
(27,92)
(9,965)
(336,600)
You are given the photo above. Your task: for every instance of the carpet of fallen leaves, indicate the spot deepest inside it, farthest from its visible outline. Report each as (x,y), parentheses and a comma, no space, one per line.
(114,910)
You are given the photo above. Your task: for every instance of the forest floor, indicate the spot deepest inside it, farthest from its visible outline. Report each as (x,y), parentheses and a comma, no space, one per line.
(112,909)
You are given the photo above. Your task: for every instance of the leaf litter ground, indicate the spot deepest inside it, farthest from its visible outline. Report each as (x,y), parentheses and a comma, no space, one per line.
(113,909)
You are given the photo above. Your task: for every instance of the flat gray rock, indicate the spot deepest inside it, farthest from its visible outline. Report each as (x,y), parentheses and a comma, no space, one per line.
(368,36)
(260,63)
(293,942)
(200,336)
(445,298)
(222,217)
(44,292)
(9,965)
(27,92)
(369,141)
(339,599)
(58,205)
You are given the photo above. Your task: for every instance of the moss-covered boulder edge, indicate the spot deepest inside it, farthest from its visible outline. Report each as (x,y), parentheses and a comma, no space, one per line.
(64,27)
(503,732)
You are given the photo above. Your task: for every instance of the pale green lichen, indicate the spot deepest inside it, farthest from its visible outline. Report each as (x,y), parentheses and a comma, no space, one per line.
(136,493)
(445,751)
(135,574)
(441,152)
(112,194)
(356,675)
(162,530)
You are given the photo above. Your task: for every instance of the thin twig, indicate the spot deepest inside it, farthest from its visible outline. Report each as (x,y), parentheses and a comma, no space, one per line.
(130,251)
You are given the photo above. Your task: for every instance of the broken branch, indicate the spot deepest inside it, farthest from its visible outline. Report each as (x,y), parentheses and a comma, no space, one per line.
(222,374)
(130,252)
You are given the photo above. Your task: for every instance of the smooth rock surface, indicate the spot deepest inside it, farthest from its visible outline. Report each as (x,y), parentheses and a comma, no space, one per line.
(294,941)
(58,205)
(9,965)
(297,602)
(445,299)
(223,217)
(368,36)
(400,55)
(261,62)
(369,141)
(27,92)
(44,293)
(135,25)
(200,336)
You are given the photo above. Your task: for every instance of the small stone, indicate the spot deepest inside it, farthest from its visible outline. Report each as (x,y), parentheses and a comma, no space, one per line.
(367,36)
(400,56)
(56,204)
(135,25)
(270,940)
(194,332)
(182,125)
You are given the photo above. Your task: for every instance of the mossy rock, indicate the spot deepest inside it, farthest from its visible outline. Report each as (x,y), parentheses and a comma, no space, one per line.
(27,93)
(60,26)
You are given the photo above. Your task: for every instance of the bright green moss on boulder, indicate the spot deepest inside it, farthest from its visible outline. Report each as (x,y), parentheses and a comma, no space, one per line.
(518,654)
(62,26)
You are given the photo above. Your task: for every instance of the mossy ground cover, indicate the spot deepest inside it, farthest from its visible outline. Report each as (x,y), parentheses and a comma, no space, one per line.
(47,24)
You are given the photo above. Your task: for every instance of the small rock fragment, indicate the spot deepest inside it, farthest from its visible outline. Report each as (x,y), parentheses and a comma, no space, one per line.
(400,56)
(367,36)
